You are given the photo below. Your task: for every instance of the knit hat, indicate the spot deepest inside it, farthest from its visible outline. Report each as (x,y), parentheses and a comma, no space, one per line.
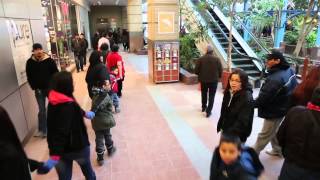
(315,99)
(36,46)
(209,49)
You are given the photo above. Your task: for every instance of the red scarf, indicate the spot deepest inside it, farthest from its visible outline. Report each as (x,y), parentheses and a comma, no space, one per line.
(311,106)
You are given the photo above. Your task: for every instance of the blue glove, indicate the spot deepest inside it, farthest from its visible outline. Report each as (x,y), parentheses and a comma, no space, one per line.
(90,115)
(47,166)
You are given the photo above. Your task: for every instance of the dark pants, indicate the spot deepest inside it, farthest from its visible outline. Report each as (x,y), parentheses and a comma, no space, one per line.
(79,62)
(103,139)
(85,58)
(290,171)
(41,95)
(120,87)
(205,88)
(82,157)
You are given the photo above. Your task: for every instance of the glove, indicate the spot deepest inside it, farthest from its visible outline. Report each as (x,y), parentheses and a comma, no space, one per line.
(90,115)
(47,166)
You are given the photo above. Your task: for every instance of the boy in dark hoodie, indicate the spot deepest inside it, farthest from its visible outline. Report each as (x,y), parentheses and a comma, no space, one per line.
(231,161)
(103,120)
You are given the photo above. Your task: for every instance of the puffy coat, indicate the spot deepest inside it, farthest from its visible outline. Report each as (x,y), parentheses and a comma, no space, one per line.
(299,136)
(237,114)
(66,129)
(246,167)
(273,100)
(102,105)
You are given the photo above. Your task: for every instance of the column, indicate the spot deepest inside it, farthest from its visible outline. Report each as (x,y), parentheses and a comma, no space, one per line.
(282,27)
(318,33)
(134,18)
(247,22)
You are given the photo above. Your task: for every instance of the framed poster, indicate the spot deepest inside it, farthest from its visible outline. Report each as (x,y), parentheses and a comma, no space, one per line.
(166,22)
(21,46)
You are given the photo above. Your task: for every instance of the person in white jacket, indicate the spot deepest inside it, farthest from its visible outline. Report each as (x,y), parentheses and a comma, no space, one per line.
(103,40)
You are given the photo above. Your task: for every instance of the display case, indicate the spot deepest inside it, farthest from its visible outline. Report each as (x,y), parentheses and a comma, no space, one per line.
(164,65)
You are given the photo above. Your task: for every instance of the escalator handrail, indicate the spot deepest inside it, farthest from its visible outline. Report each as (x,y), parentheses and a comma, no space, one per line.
(252,35)
(238,52)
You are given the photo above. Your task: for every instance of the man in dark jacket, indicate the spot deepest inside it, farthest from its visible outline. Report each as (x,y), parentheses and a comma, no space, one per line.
(209,70)
(78,47)
(40,69)
(84,49)
(299,136)
(273,100)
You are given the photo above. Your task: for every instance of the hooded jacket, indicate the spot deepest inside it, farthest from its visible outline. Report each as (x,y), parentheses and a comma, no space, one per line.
(114,59)
(299,136)
(246,167)
(102,105)
(66,129)
(97,71)
(274,96)
(40,72)
(236,115)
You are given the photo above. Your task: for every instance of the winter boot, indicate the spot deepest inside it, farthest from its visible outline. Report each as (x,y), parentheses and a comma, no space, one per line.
(100,159)
(111,151)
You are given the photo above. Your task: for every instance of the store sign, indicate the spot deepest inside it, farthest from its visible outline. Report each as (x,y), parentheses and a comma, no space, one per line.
(166,22)
(21,46)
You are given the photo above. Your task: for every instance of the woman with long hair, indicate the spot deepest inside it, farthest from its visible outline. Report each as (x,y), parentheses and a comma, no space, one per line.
(237,106)
(67,134)
(303,92)
(14,164)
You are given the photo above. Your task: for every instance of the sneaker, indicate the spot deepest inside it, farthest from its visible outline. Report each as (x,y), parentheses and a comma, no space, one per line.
(204,109)
(274,153)
(112,151)
(117,109)
(208,114)
(100,158)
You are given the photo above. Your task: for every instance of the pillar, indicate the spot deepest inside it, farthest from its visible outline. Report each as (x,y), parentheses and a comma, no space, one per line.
(281,29)
(134,19)
(318,34)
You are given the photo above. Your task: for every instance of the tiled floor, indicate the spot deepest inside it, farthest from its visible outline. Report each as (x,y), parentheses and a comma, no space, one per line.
(160,132)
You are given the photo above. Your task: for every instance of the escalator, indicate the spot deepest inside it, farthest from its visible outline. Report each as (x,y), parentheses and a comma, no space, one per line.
(242,55)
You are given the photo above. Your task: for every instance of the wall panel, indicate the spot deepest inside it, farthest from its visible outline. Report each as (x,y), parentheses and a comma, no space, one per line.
(34,7)
(16,8)
(38,32)
(30,106)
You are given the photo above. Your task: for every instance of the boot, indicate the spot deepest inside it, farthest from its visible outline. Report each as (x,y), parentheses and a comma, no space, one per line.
(100,158)
(111,151)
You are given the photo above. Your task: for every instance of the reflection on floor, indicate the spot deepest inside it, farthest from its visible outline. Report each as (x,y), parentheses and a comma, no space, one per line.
(160,133)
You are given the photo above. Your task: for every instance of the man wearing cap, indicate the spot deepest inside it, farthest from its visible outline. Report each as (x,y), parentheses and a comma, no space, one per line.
(209,70)
(40,68)
(273,100)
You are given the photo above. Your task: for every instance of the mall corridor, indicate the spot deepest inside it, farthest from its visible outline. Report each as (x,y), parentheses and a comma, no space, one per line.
(160,132)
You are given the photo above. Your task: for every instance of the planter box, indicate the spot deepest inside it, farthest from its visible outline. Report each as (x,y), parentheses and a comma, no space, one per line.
(289,49)
(187,77)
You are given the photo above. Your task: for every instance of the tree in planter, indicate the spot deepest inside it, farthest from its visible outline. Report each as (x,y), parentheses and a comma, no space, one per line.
(188,52)
(308,25)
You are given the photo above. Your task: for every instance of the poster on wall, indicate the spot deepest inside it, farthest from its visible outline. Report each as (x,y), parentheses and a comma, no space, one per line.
(21,46)
(166,22)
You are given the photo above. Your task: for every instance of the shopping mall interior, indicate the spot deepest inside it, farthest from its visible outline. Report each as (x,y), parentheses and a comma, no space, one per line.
(162,128)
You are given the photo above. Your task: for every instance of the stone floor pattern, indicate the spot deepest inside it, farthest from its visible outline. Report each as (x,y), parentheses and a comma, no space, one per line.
(161,133)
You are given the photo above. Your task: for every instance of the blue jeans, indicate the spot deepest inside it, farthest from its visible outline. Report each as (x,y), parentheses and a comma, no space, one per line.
(82,157)
(41,95)
(290,171)
(115,99)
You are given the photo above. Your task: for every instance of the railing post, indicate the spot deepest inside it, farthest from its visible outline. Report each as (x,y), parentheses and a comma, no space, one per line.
(281,30)
(305,68)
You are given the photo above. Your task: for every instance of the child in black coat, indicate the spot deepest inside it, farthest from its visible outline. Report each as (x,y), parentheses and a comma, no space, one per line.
(231,161)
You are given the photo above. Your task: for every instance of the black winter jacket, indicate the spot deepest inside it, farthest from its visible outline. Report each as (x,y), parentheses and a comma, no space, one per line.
(236,115)
(40,72)
(299,136)
(66,129)
(274,96)
(97,73)
(247,166)
(208,68)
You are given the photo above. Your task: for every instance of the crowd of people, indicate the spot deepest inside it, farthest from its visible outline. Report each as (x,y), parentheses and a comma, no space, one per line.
(291,114)
(110,38)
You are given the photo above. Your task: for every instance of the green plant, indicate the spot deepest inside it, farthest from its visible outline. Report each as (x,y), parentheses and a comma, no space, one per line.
(291,37)
(311,39)
(188,52)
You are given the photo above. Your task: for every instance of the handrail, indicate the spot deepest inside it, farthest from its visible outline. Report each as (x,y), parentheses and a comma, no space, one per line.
(252,35)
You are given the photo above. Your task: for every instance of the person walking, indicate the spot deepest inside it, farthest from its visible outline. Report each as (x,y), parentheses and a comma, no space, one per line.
(299,136)
(67,134)
(78,46)
(103,40)
(115,59)
(95,40)
(273,101)
(209,70)
(84,48)
(97,72)
(125,40)
(14,163)
(39,69)
(104,51)
(237,106)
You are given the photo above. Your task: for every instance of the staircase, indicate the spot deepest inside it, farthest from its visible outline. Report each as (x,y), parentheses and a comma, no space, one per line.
(242,55)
